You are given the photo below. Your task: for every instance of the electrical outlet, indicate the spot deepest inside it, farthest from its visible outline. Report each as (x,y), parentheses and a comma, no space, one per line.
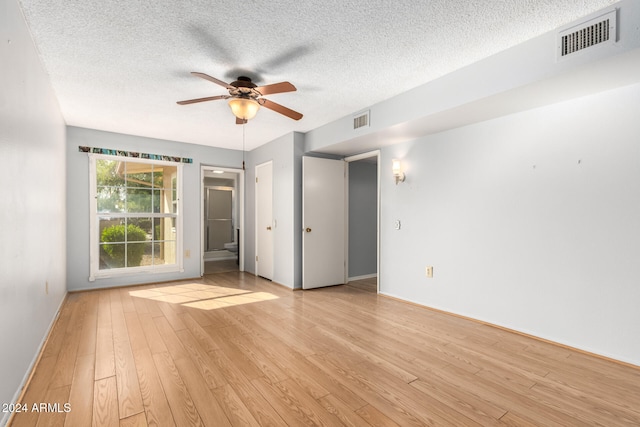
(429,271)
(187,253)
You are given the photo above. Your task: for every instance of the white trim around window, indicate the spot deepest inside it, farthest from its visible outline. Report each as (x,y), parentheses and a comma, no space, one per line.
(145,197)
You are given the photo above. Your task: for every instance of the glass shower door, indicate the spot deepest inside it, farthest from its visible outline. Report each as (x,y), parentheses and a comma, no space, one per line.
(219,218)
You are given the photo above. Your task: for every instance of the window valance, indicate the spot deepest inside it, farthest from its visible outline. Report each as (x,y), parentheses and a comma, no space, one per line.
(134,154)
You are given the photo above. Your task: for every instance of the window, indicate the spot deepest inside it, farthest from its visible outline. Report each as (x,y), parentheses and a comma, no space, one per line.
(135,216)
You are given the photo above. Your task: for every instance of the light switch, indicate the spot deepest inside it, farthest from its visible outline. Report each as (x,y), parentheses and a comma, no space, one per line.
(397,224)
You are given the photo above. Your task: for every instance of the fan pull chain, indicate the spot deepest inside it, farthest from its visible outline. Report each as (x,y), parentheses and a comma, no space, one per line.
(243,125)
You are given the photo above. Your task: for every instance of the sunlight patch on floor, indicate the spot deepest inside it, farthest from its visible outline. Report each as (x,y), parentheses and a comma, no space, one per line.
(203,297)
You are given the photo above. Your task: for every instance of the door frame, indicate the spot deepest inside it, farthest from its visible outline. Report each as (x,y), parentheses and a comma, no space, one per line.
(354,158)
(239,198)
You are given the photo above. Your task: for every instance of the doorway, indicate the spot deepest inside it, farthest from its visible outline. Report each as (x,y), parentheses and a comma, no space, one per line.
(363,207)
(222,220)
(334,240)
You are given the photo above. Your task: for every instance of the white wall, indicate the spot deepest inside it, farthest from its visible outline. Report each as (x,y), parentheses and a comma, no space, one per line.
(285,153)
(78,200)
(32,203)
(531,221)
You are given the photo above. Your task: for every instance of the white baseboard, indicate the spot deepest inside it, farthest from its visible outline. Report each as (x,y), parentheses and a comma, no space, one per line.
(366,276)
(218,255)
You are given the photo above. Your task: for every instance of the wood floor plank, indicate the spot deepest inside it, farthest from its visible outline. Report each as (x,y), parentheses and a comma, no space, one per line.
(476,409)
(290,362)
(392,410)
(153,308)
(367,352)
(140,304)
(105,403)
(208,370)
(182,406)
(291,335)
(375,418)
(137,339)
(56,338)
(205,402)
(138,420)
(514,420)
(55,412)
(81,394)
(88,334)
(577,385)
(169,337)
(172,316)
(127,301)
(67,356)
(293,405)
(105,358)
(244,363)
(36,391)
(253,352)
(129,397)
(154,400)
(595,409)
(259,407)
(235,409)
(603,367)
(429,410)
(198,331)
(200,317)
(340,410)
(154,341)
(306,374)
(502,397)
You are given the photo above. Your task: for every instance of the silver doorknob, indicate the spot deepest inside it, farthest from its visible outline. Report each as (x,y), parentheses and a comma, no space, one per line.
(269,228)
(308,230)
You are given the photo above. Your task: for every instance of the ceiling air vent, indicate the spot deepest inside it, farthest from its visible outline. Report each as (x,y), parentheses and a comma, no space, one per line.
(361,120)
(597,31)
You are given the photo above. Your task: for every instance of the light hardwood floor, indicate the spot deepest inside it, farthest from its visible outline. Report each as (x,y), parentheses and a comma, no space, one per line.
(223,266)
(233,349)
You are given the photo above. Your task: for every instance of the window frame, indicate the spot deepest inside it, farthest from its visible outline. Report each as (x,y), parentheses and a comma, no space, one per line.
(94,222)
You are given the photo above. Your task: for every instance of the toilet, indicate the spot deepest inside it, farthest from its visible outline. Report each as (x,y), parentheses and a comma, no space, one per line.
(231,247)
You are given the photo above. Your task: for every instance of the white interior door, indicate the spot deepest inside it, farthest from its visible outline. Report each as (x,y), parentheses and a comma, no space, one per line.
(264,220)
(323,219)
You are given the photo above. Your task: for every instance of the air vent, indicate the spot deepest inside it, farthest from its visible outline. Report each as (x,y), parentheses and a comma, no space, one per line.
(601,30)
(361,120)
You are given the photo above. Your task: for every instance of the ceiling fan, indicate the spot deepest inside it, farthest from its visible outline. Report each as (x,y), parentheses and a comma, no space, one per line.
(246,98)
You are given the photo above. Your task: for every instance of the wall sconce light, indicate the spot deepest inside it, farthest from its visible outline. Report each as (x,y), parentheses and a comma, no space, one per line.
(397,171)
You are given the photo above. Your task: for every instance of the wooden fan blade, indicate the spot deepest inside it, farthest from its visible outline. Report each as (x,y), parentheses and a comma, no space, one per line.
(280,109)
(213,79)
(241,121)
(208,98)
(276,88)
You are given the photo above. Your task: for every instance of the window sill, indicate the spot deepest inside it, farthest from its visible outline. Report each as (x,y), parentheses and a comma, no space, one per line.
(125,272)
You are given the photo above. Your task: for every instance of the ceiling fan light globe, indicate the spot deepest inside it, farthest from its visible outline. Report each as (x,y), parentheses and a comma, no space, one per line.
(244,108)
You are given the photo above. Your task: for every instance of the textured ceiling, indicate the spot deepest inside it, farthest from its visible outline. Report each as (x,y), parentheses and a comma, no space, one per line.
(121,65)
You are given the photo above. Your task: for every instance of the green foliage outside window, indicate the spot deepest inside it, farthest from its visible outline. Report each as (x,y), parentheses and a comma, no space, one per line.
(135,245)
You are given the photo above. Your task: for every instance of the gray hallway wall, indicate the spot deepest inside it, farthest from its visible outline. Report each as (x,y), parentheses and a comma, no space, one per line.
(363,205)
